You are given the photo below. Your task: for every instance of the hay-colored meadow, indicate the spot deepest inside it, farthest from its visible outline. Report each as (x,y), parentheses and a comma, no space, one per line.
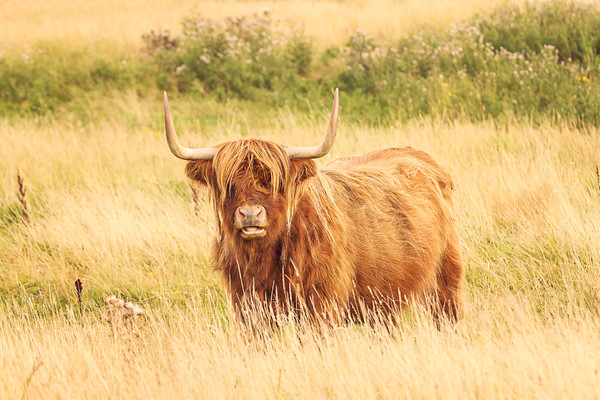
(108,204)
(329,22)
(112,208)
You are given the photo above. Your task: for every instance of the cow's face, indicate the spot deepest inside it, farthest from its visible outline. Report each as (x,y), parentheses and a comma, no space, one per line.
(251,206)
(252,183)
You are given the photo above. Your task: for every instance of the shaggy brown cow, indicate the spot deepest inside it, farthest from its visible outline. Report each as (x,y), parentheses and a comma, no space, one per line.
(362,235)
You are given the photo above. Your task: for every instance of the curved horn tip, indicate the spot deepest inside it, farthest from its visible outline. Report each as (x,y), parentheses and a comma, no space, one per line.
(336,100)
(334,111)
(325,146)
(177,149)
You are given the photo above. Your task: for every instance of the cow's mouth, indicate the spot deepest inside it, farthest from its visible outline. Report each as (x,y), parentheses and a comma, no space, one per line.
(251,232)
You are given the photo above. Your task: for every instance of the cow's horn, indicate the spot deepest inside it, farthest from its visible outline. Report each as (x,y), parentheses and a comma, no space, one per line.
(206,153)
(323,148)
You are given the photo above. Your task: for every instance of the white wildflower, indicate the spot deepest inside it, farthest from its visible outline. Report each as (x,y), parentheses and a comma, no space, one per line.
(132,310)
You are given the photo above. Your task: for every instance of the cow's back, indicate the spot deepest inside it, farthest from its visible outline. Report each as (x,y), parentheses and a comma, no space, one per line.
(395,207)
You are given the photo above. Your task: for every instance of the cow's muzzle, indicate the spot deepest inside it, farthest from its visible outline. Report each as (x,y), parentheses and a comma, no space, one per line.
(251,221)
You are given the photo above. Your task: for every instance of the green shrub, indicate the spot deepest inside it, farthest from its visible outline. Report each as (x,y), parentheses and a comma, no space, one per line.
(38,80)
(572,28)
(240,56)
(535,62)
(514,62)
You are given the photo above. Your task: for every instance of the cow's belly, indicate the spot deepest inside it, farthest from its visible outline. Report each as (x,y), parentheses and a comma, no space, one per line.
(397,260)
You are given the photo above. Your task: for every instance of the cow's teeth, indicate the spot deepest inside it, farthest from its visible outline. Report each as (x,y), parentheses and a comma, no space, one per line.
(252,229)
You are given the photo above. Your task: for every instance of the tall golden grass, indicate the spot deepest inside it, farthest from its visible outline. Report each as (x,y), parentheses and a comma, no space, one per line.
(329,22)
(109,205)
(504,353)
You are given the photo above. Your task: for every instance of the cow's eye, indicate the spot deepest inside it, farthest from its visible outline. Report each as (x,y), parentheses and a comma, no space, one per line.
(264,186)
(264,180)
(231,191)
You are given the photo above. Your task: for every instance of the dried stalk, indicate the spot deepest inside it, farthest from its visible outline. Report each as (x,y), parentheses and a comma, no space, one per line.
(79,288)
(22,196)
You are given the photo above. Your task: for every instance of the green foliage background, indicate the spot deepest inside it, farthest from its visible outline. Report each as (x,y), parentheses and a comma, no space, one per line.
(537,62)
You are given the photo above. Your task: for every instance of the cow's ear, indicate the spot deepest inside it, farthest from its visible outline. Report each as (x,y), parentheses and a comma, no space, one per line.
(303,169)
(200,171)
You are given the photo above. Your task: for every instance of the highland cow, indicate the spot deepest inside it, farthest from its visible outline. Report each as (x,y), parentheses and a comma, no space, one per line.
(361,236)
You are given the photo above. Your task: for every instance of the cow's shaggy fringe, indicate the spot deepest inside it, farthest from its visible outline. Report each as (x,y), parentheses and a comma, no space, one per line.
(249,155)
(252,156)
(364,233)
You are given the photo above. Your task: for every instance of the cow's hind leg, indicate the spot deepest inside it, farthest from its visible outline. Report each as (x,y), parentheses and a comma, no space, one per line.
(449,301)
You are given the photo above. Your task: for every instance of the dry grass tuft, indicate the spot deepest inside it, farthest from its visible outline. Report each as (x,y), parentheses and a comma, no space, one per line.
(118,310)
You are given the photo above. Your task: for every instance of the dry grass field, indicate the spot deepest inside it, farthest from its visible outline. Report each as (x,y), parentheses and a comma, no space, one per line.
(329,22)
(108,204)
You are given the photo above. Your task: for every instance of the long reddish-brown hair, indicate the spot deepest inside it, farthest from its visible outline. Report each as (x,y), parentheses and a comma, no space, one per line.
(384,218)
